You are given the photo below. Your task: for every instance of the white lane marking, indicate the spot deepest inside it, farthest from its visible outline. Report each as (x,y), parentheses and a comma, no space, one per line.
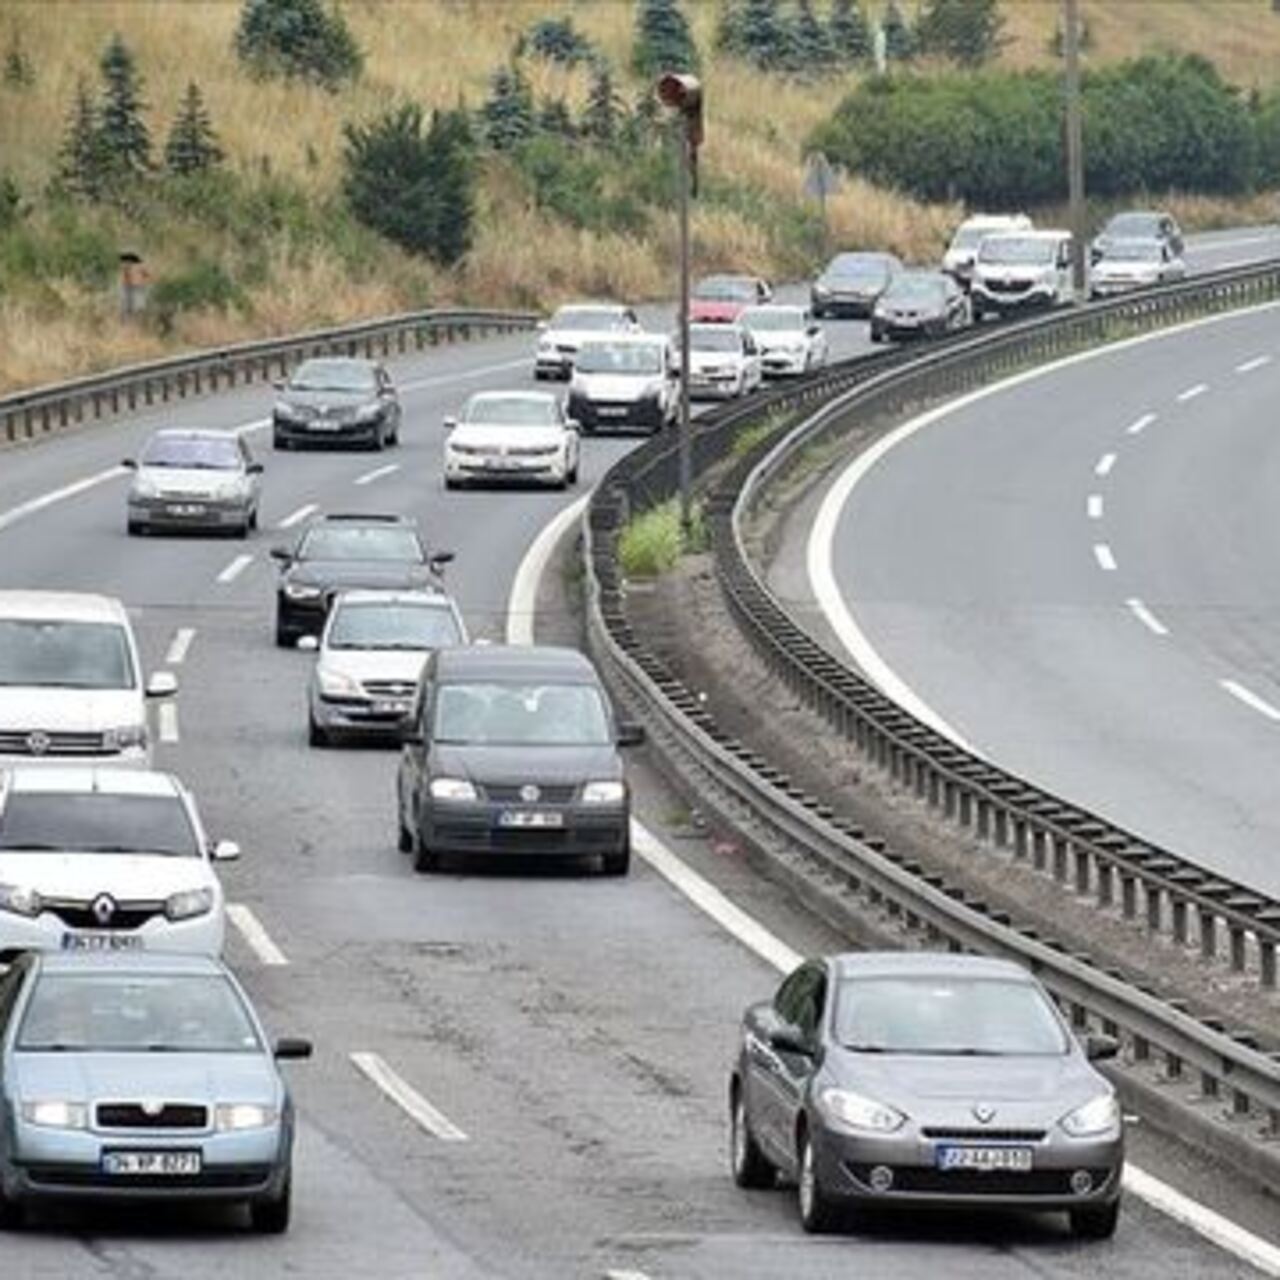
(1191,392)
(1102,553)
(444,379)
(1105,463)
(168,716)
(1138,427)
(297,517)
(523,601)
(407,1098)
(1146,617)
(1093,506)
(1250,699)
(180,646)
(257,938)
(615,1274)
(20,512)
(377,473)
(1250,365)
(235,568)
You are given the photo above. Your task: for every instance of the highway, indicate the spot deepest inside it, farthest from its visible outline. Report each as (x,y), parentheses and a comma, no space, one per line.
(518,1074)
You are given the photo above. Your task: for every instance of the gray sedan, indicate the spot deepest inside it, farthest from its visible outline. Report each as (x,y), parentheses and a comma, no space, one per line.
(140,1077)
(192,479)
(908,1079)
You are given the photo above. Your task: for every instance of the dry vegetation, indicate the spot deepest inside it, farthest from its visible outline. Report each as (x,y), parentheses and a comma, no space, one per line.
(439,52)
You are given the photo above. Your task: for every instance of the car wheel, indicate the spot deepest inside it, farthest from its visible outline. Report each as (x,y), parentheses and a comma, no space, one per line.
(316,736)
(617,864)
(253,519)
(404,837)
(1097,1222)
(817,1210)
(750,1167)
(135,528)
(271,1217)
(286,637)
(279,442)
(424,859)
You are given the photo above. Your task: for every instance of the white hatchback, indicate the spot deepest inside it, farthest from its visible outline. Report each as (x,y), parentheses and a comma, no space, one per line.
(106,859)
(724,361)
(791,340)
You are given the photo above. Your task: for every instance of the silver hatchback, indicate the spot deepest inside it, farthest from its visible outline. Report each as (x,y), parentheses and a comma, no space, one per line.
(194,479)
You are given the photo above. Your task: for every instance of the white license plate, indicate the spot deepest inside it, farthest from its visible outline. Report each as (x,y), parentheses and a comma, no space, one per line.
(170,1164)
(186,509)
(986,1159)
(612,411)
(501,464)
(530,818)
(390,707)
(101,942)
(322,424)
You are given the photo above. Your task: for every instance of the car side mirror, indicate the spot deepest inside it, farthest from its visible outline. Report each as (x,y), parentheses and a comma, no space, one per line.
(225,851)
(308,644)
(283,554)
(814,330)
(450,423)
(255,468)
(131,463)
(291,1048)
(164,684)
(788,1039)
(408,732)
(630,734)
(1098,1048)
(438,561)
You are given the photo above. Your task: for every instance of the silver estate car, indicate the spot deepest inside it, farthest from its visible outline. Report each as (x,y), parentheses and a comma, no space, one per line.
(193,479)
(904,1079)
(140,1077)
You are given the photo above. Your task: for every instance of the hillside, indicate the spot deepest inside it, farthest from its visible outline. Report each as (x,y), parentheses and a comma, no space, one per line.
(288,256)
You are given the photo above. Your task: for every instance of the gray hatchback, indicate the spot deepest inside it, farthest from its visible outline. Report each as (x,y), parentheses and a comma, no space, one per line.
(905,1079)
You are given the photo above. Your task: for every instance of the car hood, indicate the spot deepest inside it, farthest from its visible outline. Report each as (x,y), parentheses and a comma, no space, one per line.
(192,482)
(772,339)
(127,877)
(715,310)
(475,435)
(327,399)
(616,386)
(401,665)
(171,1077)
(72,710)
(574,338)
(1118,269)
(515,764)
(715,360)
(359,573)
(1014,270)
(927,310)
(852,286)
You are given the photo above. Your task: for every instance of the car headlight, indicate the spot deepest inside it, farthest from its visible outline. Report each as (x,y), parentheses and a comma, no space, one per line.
(337,684)
(188,904)
(856,1112)
(821,290)
(604,793)
(20,900)
(51,1114)
(233,1117)
(452,789)
(283,409)
(144,487)
(301,591)
(546,346)
(129,735)
(1096,1117)
(368,413)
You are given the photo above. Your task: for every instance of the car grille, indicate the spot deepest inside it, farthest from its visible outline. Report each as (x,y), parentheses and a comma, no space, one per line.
(970,1182)
(987,1135)
(1008,286)
(565,351)
(132,1115)
(547,794)
(37,742)
(127,915)
(390,688)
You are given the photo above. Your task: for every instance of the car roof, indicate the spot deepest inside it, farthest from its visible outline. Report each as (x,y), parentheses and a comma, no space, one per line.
(627,340)
(193,433)
(925,964)
(1032,233)
(356,362)
(737,277)
(997,220)
(429,598)
(58,779)
(362,517)
(123,963)
(863,255)
(514,662)
(607,308)
(61,606)
(544,396)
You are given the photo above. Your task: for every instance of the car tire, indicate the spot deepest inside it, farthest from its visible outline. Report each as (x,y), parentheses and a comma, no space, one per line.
(617,864)
(253,519)
(286,637)
(271,1217)
(818,1212)
(279,442)
(1097,1222)
(573,475)
(316,736)
(404,837)
(135,528)
(424,859)
(750,1167)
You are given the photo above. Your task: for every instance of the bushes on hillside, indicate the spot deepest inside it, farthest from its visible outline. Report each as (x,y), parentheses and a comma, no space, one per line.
(966,31)
(299,39)
(663,39)
(557,40)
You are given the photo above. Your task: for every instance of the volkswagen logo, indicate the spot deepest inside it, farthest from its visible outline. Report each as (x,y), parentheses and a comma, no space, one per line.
(530,794)
(38,743)
(983,1112)
(103,908)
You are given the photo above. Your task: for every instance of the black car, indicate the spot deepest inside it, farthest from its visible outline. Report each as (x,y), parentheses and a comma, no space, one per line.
(851,283)
(920,304)
(333,400)
(513,750)
(341,551)
(1138,224)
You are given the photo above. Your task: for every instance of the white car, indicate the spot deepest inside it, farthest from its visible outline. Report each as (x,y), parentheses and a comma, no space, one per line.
(625,383)
(791,340)
(1021,270)
(106,859)
(70,681)
(571,326)
(511,436)
(724,362)
(962,252)
(1134,264)
(370,656)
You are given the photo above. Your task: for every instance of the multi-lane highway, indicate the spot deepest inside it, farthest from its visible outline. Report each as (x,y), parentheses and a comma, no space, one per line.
(517,1075)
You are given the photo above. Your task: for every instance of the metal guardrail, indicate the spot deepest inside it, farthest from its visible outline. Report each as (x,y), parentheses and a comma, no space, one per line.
(27,414)
(1165,893)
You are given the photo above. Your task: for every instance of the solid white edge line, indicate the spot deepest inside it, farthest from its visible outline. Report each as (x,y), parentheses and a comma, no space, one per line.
(1105,463)
(377,473)
(180,646)
(1093,506)
(1146,617)
(168,717)
(255,936)
(1250,699)
(1102,553)
(25,509)
(525,362)
(1138,427)
(522,603)
(235,568)
(374,1068)
(1191,392)
(298,516)
(1250,365)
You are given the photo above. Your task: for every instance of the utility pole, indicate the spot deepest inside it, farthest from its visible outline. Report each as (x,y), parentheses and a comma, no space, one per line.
(1075,146)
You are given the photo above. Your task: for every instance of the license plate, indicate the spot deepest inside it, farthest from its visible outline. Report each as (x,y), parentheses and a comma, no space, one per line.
(390,707)
(612,411)
(530,818)
(501,464)
(101,942)
(169,1164)
(986,1159)
(186,509)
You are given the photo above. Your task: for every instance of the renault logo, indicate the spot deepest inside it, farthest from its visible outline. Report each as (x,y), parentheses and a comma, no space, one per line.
(529,794)
(103,908)
(38,743)
(983,1112)
(152,1107)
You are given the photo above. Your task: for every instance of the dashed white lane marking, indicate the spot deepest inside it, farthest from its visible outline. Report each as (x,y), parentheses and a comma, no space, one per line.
(1138,427)
(235,568)
(625,1275)
(1146,617)
(168,717)
(255,936)
(179,647)
(20,512)
(1105,463)
(297,517)
(1250,365)
(377,473)
(407,1098)
(523,601)
(1102,553)
(1191,392)
(1093,506)
(1250,699)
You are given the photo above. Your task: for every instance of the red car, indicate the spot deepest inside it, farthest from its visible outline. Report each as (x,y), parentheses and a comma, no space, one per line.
(720,299)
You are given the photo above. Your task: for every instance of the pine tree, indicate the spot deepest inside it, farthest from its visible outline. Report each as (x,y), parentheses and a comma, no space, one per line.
(18,70)
(555,118)
(763,35)
(508,111)
(967,31)
(82,159)
(811,52)
(450,149)
(298,38)
(663,39)
(899,40)
(10,201)
(600,118)
(850,31)
(122,130)
(192,146)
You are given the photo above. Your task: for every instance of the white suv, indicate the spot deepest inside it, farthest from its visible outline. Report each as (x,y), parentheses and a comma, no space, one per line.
(962,252)
(106,859)
(70,682)
(1020,270)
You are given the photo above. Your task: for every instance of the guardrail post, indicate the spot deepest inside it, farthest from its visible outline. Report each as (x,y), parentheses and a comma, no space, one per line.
(1154,912)
(1061,848)
(1178,909)
(1267,963)
(1208,933)
(984,818)
(965,815)
(1106,884)
(1083,860)
(1039,841)
(1019,838)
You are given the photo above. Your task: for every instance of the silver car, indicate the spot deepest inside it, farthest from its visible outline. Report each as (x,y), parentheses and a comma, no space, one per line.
(140,1077)
(924,1079)
(194,479)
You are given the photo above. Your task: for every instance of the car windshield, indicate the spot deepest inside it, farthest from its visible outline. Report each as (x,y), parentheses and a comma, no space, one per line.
(971,237)
(512,411)
(393,626)
(620,357)
(718,339)
(65,655)
(195,453)
(774,319)
(1134,251)
(136,1013)
(861,269)
(915,289)
(726,289)
(333,375)
(586,319)
(361,542)
(485,714)
(1134,224)
(97,822)
(980,1017)
(1016,250)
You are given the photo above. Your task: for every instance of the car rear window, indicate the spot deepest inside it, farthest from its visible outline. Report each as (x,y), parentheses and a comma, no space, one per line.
(361,542)
(65,655)
(52,821)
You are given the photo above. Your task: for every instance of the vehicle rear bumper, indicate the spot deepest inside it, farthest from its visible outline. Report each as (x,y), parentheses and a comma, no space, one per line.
(475,829)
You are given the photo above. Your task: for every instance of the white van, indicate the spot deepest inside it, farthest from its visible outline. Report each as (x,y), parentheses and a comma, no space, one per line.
(1020,270)
(963,250)
(70,681)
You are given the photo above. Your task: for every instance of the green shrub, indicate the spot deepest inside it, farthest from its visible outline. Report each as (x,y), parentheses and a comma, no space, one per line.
(663,39)
(652,543)
(299,39)
(557,40)
(203,284)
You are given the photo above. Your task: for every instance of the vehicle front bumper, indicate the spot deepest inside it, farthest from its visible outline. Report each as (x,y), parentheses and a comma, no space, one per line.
(715,386)
(359,717)
(1037,295)
(1110,288)
(858,305)
(505,469)
(783,364)
(129,758)
(200,935)
(177,513)
(648,414)
(474,828)
(326,430)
